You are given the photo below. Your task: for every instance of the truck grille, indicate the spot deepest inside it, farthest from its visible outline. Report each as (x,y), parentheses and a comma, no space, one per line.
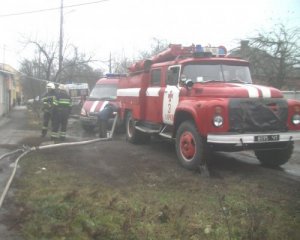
(258,115)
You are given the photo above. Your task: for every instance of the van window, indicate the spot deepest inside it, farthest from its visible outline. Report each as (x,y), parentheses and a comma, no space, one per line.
(104,92)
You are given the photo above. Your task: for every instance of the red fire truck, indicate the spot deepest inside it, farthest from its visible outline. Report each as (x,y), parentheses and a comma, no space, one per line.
(206,102)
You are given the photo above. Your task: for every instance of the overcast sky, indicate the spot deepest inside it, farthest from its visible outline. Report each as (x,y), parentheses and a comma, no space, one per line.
(125,27)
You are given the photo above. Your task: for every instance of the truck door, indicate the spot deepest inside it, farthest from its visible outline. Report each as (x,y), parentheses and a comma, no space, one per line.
(154,97)
(171,95)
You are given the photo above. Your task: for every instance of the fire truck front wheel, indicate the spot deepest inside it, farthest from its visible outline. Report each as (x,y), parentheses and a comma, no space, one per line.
(275,157)
(132,134)
(190,146)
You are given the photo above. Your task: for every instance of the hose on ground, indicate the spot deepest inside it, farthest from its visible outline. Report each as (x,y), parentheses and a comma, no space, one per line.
(11,177)
(27,150)
(11,153)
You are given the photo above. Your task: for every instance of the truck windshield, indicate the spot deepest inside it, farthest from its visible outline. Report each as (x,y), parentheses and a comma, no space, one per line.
(104,92)
(217,73)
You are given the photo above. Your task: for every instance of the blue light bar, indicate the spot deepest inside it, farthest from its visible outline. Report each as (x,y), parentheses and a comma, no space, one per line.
(112,75)
(198,48)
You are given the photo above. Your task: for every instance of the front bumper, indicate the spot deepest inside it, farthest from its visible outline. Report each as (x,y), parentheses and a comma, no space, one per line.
(253,138)
(88,121)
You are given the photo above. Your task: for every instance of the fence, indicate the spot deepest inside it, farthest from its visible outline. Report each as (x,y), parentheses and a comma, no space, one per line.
(291,94)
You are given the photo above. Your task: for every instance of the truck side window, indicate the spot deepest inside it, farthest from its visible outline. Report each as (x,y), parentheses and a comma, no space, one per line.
(173,74)
(155,77)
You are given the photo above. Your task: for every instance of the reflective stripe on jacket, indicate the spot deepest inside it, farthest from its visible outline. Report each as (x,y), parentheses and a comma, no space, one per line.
(65,102)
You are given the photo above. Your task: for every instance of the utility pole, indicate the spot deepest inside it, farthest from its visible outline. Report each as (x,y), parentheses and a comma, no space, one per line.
(61,33)
(110,62)
(3,56)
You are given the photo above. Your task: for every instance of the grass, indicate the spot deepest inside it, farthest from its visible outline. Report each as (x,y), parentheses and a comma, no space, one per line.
(58,202)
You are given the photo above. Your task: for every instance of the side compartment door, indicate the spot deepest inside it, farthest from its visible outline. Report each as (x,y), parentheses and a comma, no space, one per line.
(171,95)
(154,96)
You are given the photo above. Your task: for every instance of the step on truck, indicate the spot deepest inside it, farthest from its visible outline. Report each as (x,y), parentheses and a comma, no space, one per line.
(206,101)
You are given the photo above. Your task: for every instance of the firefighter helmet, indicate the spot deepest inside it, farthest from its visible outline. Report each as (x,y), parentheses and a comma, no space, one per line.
(50,85)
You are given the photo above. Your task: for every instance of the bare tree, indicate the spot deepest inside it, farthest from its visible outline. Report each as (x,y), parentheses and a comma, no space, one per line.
(44,66)
(157,46)
(31,87)
(121,65)
(276,53)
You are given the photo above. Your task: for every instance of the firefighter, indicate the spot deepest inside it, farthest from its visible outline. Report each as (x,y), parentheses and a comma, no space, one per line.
(61,114)
(48,100)
(103,118)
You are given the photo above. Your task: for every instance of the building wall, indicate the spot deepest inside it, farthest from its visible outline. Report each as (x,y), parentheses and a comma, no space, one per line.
(10,88)
(4,95)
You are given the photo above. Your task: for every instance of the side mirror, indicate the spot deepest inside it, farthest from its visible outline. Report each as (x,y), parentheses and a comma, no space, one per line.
(186,82)
(189,83)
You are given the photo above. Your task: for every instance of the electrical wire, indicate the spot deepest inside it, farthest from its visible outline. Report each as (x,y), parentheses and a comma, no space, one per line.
(50,9)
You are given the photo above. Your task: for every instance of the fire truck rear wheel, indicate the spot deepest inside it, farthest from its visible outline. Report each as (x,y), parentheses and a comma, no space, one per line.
(275,157)
(190,146)
(133,135)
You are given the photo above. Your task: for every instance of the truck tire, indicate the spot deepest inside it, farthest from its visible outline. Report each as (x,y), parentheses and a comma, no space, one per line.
(132,134)
(275,157)
(191,148)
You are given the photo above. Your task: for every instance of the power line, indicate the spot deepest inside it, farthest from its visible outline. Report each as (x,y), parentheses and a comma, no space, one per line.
(50,9)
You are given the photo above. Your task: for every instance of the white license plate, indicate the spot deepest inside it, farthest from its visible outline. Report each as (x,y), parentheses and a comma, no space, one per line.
(266,138)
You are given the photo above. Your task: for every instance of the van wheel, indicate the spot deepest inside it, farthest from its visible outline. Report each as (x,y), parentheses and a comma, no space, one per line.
(88,128)
(191,148)
(275,157)
(132,134)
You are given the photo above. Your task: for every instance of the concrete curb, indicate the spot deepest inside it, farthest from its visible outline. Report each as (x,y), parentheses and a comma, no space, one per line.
(5,119)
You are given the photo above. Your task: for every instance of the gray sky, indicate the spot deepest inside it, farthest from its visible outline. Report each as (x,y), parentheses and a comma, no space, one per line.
(125,27)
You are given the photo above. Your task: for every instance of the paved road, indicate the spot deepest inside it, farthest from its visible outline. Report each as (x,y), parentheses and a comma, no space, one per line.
(12,131)
(291,168)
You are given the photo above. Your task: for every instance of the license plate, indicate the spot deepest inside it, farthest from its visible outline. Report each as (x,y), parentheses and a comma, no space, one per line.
(266,138)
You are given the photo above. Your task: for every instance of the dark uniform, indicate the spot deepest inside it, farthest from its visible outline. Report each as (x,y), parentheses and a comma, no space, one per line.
(48,100)
(103,118)
(61,114)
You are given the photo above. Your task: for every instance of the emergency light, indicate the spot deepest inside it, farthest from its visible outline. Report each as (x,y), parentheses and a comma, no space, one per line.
(113,75)
(210,51)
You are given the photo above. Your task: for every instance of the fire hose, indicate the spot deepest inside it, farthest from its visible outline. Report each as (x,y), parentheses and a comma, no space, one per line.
(25,150)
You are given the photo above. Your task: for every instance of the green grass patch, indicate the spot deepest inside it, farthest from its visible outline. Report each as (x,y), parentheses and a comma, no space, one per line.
(59,202)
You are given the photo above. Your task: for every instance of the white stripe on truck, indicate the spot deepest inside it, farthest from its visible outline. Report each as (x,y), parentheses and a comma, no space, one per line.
(94,106)
(128,92)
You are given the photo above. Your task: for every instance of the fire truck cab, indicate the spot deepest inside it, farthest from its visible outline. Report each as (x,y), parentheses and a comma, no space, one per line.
(206,102)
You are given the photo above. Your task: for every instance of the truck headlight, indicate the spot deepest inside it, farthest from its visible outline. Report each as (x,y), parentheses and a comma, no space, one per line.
(296,119)
(218,121)
(83,112)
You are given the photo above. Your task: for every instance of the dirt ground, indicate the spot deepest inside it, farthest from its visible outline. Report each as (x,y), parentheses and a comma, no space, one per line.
(118,162)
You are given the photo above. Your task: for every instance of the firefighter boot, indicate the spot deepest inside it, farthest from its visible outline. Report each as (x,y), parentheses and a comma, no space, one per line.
(103,129)
(62,136)
(44,133)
